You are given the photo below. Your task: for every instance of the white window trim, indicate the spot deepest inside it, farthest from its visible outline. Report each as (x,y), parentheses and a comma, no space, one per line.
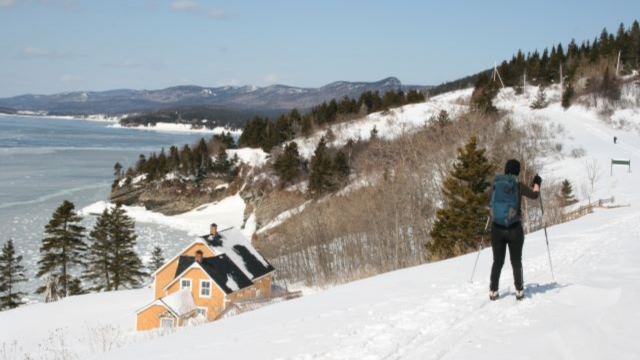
(210,289)
(190,284)
(206,311)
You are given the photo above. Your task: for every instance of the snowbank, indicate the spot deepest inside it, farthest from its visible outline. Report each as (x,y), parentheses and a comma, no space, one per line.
(227,212)
(180,128)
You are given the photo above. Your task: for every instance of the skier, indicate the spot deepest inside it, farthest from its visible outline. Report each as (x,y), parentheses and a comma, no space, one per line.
(615,139)
(506,227)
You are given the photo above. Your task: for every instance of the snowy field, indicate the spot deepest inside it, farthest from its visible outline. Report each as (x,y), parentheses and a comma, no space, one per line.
(427,312)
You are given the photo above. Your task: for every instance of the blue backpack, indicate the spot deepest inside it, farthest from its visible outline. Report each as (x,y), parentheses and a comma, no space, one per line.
(505,200)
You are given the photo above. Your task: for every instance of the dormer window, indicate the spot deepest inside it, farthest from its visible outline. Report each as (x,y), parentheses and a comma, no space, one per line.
(185,284)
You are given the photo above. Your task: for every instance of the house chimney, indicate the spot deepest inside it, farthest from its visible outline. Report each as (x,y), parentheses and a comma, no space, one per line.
(199,256)
(213,230)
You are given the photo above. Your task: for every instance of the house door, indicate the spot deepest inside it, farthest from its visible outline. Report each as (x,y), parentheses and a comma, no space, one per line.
(166,323)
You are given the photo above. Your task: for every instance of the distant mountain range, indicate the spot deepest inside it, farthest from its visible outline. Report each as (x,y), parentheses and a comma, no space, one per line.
(246,98)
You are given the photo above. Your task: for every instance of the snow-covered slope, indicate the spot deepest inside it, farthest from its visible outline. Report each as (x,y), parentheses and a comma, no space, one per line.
(433,311)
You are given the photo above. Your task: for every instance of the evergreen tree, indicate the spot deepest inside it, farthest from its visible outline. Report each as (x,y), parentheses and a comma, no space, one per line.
(99,257)
(157,259)
(610,88)
(11,274)
(541,99)
(567,95)
(321,170)
(117,170)
(567,193)
(341,167)
(126,267)
(63,248)
(485,91)
(459,225)
(288,165)
(307,126)
(222,165)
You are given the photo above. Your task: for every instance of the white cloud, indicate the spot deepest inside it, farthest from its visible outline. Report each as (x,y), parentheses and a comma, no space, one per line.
(185,6)
(135,64)
(32,52)
(195,8)
(71,78)
(272,78)
(229,82)
(216,14)
(7,3)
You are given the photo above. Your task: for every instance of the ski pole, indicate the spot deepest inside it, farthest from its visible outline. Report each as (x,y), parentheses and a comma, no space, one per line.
(480,248)
(547,238)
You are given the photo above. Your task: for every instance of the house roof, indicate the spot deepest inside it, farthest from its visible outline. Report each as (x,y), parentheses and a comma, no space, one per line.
(179,303)
(240,250)
(220,269)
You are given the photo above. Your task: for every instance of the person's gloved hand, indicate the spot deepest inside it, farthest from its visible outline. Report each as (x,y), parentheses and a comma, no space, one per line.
(537,180)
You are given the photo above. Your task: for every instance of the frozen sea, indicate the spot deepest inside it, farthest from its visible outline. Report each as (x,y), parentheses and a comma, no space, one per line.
(44,161)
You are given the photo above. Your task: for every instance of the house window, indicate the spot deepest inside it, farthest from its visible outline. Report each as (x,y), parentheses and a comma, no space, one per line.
(185,284)
(201,311)
(258,293)
(166,323)
(205,288)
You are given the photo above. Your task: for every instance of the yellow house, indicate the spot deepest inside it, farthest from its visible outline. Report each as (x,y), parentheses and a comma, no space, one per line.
(204,279)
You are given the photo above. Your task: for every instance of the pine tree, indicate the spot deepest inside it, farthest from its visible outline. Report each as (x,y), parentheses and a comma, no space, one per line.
(157,259)
(485,91)
(567,193)
(567,95)
(126,267)
(222,164)
(541,99)
(321,170)
(99,257)
(64,247)
(287,166)
(459,225)
(341,167)
(11,274)
(117,170)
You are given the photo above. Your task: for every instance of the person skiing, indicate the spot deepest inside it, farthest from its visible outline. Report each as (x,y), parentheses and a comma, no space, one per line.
(615,139)
(506,225)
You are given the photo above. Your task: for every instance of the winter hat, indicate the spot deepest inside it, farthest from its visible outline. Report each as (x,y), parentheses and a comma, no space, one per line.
(512,167)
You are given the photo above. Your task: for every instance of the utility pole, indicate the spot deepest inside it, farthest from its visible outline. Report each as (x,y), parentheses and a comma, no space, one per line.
(495,72)
(561,77)
(618,64)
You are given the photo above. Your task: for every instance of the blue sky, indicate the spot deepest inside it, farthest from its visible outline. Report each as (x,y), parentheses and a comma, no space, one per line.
(51,46)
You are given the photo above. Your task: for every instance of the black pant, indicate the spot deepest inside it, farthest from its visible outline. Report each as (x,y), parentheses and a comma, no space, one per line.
(500,239)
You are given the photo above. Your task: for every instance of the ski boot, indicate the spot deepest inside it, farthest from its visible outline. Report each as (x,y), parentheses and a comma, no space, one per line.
(493,295)
(519,294)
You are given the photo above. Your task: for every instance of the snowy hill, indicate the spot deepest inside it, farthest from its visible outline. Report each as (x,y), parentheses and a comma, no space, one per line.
(433,312)
(430,311)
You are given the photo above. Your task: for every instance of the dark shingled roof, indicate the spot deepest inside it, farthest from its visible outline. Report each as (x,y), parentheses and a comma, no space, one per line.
(246,258)
(219,268)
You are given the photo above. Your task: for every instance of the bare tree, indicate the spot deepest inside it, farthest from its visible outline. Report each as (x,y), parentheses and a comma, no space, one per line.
(594,171)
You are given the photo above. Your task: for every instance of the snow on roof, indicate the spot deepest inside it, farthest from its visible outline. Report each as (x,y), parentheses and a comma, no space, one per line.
(231,284)
(240,250)
(181,302)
